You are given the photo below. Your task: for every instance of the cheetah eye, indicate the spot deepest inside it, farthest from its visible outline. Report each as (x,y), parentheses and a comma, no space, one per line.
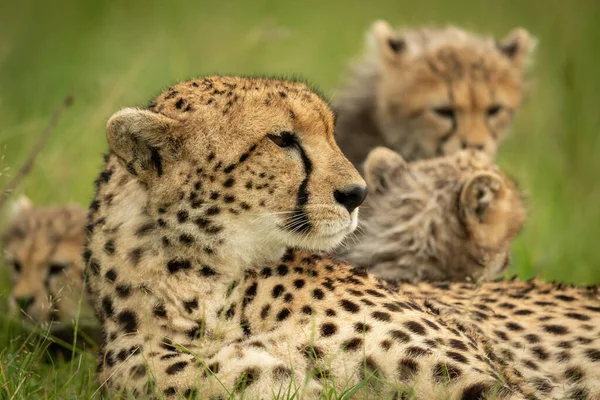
(493,110)
(283,140)
(17,266)
(445,112)
(56,269)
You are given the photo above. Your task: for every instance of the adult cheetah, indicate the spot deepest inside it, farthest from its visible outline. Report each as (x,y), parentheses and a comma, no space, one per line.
(201,195)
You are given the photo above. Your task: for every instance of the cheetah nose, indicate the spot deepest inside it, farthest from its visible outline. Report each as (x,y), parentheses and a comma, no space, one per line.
(351,197)
(24,302)
(476,146)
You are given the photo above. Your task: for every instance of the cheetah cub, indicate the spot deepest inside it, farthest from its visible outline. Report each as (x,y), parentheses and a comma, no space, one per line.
(42,251)
(204,268)
(445,219)
(428,92)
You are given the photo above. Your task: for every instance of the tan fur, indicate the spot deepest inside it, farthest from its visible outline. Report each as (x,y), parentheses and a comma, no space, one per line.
(427,92)
(552,330)
(42,250)
(190,275)
(448,218)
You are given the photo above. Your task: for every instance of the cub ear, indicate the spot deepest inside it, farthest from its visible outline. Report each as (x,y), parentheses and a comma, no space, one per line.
(517,46)
(381,167)
(387,43)
(21,205)
(491,212)
(142,140)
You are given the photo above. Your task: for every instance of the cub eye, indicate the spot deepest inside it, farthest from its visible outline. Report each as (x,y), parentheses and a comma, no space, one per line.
(493,110)
(17,266)
(445,112)
(285,139)
(56,269)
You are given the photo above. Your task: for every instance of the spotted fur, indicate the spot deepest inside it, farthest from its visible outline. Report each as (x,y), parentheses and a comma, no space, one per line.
(187,263)
(427,92)
(551,330)
(42,250)
(449,218)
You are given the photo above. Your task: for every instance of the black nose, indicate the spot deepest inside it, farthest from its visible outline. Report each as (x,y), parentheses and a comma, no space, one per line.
(351,197)
(24,302)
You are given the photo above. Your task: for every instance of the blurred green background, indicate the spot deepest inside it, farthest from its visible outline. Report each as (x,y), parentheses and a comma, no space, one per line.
(111,54)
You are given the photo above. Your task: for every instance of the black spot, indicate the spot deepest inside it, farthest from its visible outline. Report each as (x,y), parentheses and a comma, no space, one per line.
(540,353)
(110,275)
(593,354)
(288,297)
(328,329)
(247,378)
(457,357)
(138,371)
(349,306)
(577,316)
(444,372)
(523,312)
(407,369)
(399,336)
(352,344)
(415,327)
(277,291)
(182,216)
(214,210)
(179,103)
(207,271)
(128,320)
(266,272)
(299,283)
(123,290)
(513,326)
(229,182)
(555,329)
(501,334)
(478,391)
(109,247)
(318,294)
(532,338)
(374,293)
(361,327)
(249,294)
(283,314)
(176,368)
(190,305)
(416,351)
(245,325)
(107,307)
(574,374)
(381,316)
(282,270)
(565,298)
(176,265)
(457,344)
(186,239)
(307,310)
(135,255)
(159,310)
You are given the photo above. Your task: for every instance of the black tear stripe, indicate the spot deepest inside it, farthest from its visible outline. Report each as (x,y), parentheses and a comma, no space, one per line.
(452,130)
(156,160)
(299,221)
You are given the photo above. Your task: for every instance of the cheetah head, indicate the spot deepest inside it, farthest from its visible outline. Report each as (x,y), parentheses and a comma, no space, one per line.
(239,167)
(443,90)
(448,218)
(42,250)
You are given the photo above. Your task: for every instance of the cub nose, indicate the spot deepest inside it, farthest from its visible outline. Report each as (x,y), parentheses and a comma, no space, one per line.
(24,302)
(351,197)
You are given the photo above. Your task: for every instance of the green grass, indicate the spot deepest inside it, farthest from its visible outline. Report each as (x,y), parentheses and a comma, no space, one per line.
(111,54)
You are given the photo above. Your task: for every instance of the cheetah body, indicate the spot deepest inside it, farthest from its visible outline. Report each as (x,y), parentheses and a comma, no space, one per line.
(187,264)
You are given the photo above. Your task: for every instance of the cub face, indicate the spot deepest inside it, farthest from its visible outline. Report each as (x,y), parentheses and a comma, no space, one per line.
(246,164)
(448,218)
(42,250)
(441,91)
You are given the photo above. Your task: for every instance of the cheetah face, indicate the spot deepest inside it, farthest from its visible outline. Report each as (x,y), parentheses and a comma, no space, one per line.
(459,94)
(244,163)
(42,251)
(459,213)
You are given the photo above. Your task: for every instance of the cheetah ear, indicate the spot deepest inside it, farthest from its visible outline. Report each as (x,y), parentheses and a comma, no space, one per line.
(517,46)
(142,140)
(387,43)
(488,211)
(19,206)
(381,167)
